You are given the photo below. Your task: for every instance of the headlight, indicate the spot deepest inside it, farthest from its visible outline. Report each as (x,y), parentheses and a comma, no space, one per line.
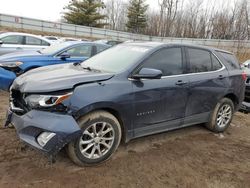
(11,64)
(45,100)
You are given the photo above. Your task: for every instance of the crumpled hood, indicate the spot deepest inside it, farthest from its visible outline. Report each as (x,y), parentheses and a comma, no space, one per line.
(56,78)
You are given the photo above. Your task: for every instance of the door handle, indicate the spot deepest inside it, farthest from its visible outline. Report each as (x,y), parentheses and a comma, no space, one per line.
(180,83)
(19,48)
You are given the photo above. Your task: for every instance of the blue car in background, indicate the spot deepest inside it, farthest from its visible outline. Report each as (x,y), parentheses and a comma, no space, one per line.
(15,64)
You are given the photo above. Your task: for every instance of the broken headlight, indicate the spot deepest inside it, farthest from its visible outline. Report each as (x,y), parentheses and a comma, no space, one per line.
(36,101)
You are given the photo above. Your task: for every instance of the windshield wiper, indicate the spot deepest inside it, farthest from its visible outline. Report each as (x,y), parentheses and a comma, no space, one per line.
(90,69)
(87,68)
(77,63)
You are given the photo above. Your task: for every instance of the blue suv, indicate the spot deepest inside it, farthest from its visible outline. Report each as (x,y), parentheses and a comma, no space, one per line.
(128,91)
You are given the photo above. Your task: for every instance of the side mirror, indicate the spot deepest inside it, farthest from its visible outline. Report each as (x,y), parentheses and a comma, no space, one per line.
(1,42)
(146,73)
(64,56)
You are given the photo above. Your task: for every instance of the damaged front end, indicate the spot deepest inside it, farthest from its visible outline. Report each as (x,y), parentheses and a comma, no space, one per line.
(43,123)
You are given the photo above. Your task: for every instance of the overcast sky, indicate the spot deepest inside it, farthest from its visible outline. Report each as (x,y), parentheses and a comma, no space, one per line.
(48,9)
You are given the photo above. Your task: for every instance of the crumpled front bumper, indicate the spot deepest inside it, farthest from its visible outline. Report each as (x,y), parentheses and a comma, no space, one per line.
(245,107)
(6,79)
(30,125)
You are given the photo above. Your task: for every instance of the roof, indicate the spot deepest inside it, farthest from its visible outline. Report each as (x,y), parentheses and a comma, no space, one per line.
(158,44)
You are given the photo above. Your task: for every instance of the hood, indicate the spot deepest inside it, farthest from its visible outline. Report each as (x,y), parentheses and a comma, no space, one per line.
(17,56)
(56,78)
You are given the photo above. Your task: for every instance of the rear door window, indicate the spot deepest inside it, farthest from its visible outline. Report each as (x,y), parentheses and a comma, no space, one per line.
(35,41)
(216,65)
(200,60)
(100,48)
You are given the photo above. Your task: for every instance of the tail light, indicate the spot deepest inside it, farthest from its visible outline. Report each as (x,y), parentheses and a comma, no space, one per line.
(244,76)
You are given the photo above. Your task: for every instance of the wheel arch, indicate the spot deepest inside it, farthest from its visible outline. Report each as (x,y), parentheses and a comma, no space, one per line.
(110,109)
(234,98)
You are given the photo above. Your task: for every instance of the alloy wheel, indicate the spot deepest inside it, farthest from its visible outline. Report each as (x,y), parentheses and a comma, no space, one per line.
(224,115)
(96,140)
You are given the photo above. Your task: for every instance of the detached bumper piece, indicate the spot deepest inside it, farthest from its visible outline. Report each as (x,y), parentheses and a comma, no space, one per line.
(45,131)
(245,107)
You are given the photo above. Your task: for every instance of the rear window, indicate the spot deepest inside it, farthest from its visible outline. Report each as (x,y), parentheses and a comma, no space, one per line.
(231,60)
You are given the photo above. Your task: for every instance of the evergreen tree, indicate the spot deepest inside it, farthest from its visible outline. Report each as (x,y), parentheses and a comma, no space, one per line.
(85,12)
(137,18)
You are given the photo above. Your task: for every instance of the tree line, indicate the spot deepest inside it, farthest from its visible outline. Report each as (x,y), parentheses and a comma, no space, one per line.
(170,18)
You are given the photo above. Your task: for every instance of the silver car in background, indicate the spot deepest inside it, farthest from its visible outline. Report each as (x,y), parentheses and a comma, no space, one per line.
(13,41)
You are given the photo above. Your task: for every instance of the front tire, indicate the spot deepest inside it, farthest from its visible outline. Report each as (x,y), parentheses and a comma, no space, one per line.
(221,116)
(101,135)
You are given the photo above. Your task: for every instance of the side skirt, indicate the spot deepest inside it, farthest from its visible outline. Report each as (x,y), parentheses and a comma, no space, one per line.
(171,125)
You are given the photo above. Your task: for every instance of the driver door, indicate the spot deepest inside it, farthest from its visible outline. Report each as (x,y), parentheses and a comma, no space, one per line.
(159,104)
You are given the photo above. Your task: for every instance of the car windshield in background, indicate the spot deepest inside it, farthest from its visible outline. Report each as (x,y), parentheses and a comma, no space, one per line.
(116,59)
(54,48)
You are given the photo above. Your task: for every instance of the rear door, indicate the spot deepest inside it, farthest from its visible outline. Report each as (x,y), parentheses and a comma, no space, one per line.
(159,104)
(33,43)
(208,81)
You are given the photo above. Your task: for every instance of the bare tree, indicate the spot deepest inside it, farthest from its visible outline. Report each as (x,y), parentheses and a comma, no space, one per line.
(116,11)
(188,18)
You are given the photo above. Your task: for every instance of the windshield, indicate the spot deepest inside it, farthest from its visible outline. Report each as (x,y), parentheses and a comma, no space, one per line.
(117,58)
(54,48)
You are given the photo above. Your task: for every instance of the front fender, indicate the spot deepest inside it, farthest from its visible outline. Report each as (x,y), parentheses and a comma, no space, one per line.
(112,108)
(6,79)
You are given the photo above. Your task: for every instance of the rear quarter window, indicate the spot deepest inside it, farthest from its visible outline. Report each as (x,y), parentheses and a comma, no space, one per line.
(230,59)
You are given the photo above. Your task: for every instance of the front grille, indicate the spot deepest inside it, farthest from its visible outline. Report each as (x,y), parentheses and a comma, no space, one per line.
(16,98)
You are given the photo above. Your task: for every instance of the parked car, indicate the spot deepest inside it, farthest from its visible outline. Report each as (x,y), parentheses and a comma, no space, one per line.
(68,39)
(128,91)
(246,64)
(15,64)
(109,42)
(53,39)
(245,107)
(13,42)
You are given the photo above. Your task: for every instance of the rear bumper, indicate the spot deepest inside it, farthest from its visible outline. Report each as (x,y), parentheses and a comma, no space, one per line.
(6,79)
(245,107)
(33,123)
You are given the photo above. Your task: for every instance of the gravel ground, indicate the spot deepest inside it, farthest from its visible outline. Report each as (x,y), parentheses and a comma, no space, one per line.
(191,157)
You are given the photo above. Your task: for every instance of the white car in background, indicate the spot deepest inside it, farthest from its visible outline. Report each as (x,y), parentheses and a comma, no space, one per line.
(53,39)
(246,64)
(13,41)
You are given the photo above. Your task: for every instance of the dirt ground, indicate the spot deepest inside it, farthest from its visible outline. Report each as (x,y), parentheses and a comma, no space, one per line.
(191,157)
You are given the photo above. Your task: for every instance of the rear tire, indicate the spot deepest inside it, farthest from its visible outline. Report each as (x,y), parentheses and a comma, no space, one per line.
(100,139)
(222,116)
